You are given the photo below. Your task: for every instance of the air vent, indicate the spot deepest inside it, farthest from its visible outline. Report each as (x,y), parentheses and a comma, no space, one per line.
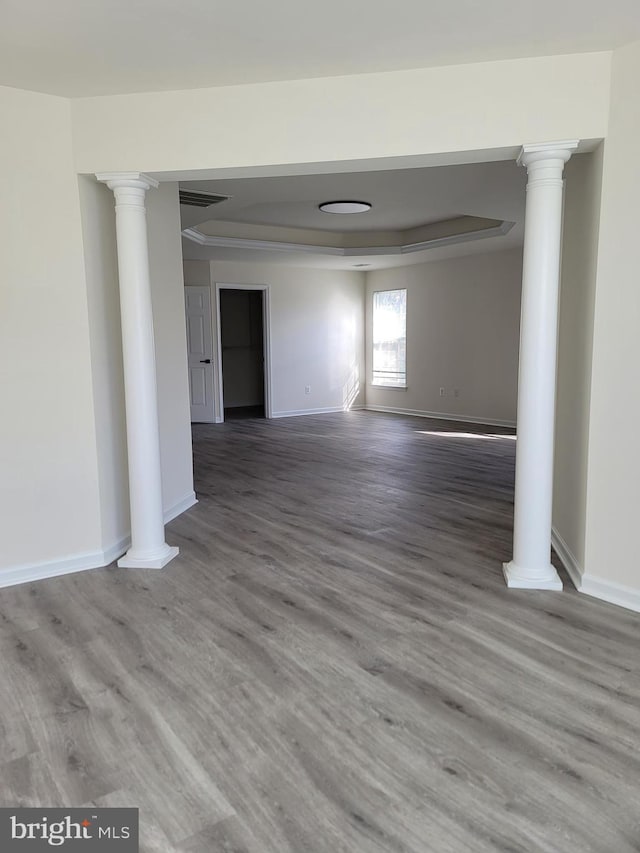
(192,199)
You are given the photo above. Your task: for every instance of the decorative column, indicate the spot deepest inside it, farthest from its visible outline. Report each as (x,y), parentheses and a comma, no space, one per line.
(148,547)
(531,566)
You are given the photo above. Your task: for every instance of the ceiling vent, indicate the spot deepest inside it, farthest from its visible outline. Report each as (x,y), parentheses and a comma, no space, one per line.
(192,199)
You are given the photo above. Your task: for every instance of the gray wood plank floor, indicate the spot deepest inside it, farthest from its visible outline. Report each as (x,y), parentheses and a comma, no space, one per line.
(332,665)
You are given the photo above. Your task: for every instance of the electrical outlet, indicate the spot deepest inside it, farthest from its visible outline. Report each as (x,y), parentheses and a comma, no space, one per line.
(456,392)
(442,392)
(307,389)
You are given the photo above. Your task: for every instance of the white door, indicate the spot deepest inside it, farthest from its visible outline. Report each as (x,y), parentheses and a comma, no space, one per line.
(200,353)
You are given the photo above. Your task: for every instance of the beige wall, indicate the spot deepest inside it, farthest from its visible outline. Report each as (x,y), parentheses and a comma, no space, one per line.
(361,117)
(583,182)
(167,290)
(463,320)
(101,271)
(317,331)
(49,495)
(613,502)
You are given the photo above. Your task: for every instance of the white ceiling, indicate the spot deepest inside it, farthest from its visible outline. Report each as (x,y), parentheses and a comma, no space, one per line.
(402,199)
(94,47)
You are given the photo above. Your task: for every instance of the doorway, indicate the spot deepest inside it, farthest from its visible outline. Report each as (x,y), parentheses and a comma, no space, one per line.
(243,368)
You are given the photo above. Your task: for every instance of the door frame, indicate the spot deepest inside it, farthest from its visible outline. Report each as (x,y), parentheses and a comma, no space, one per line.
(266,347)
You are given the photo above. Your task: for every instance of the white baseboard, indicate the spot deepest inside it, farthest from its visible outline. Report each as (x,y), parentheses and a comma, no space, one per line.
(442,416)
(54,568)
(614,593)
(181,506)
(84,562)
(567,558)
(115,551)
(293,413)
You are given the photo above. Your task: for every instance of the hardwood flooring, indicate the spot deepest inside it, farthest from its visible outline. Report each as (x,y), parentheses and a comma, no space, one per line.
(332,665)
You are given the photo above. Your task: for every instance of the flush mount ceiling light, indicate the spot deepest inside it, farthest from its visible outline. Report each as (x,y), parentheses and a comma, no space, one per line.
(345,206)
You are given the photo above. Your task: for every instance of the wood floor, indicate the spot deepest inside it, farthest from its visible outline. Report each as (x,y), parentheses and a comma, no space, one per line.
(332,665)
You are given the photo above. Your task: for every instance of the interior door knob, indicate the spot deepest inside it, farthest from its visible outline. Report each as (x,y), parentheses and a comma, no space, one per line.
(205,361)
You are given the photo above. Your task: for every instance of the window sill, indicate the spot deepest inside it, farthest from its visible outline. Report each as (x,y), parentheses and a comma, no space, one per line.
(389,387)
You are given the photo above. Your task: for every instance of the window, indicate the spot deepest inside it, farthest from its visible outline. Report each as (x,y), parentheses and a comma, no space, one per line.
(390,338)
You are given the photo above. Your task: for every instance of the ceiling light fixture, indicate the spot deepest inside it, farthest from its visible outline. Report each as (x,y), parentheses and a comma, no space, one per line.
(345,206)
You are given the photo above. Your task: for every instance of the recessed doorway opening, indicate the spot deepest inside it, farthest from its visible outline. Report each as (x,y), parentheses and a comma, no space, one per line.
(242,368)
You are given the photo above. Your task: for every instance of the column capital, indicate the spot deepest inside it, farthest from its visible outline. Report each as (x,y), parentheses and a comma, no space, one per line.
(533,153)
(129,180)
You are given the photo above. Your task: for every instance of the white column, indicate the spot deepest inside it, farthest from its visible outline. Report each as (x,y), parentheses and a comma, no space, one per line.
(531,566)
(148,547)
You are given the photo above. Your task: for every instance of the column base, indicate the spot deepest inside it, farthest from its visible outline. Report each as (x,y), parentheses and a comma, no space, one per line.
(518,577)
(131,560)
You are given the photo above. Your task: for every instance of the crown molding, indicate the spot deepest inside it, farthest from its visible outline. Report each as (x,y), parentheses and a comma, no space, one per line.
(201,239)
(246,243)
(464,237)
